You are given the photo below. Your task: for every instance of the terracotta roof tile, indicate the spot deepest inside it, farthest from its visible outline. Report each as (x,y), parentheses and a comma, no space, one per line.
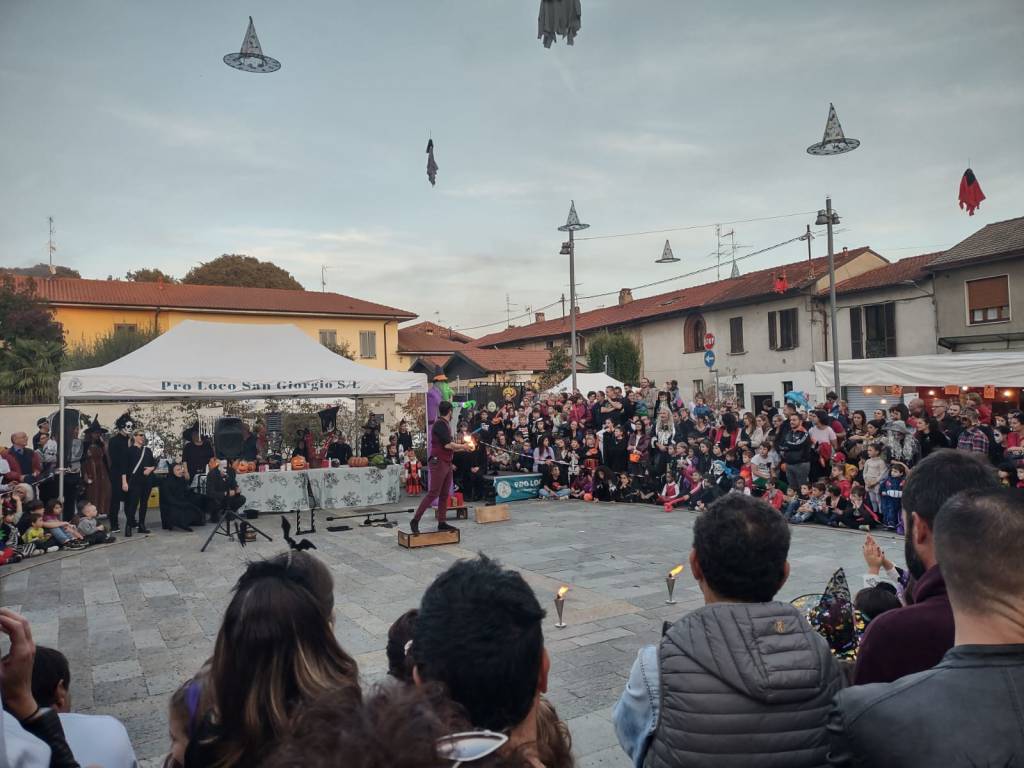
(741,289)
(993,240)
(433,329)
(410,341)
(67,290)
(913,268)
(501,360)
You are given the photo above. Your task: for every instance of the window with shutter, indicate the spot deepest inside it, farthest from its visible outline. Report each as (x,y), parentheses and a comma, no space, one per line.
(368,344)
(694,329)
(787,336)
(988,300)
(328,337)
(735,334)
(856,334)
(773,333)
(739,395)
(890,329)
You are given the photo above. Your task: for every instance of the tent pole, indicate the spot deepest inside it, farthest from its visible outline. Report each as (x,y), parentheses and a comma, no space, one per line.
(426,424)
(60,453)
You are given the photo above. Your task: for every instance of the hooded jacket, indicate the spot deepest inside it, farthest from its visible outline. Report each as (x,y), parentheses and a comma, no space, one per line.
(732,684)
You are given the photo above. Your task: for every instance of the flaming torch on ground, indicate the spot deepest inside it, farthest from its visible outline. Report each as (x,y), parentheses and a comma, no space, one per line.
(559,605)
(670,582)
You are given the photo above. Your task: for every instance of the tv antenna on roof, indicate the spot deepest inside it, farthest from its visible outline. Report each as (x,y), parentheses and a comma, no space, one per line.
(52,248)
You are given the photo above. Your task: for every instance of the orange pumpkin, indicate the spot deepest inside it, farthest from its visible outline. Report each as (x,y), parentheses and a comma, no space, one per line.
(241,466)
(298,462)
(359,461)
(588,497)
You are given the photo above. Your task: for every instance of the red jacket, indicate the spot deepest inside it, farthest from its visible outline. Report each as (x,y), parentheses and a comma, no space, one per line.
(16,475)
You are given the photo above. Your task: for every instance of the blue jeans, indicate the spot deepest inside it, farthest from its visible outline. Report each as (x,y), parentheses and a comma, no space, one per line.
(561,493)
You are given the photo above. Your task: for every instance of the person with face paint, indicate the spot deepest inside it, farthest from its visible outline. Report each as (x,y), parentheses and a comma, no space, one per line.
(137,482)
(912,639)
(117,452)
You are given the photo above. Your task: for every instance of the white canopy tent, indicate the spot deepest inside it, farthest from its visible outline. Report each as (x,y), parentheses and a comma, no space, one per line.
(232,361)
(977,369)
(586,382)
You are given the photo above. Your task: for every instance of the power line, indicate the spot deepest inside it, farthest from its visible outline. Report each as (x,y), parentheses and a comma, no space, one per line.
(698,226)
(696,271)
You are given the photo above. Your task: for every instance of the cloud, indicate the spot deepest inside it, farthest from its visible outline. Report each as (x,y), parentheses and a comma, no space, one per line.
(647,144)
(494,189)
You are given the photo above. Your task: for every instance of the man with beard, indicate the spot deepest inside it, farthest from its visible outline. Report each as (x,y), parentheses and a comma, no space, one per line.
(913,639)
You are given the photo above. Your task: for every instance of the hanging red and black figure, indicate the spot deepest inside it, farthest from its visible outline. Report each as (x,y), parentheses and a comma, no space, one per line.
(970,192)
(779,282)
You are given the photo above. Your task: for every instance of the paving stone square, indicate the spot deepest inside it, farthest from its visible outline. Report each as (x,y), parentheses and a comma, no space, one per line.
(138,617)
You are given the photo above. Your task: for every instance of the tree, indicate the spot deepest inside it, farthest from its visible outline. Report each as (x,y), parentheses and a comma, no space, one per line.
(42,270)
(343,349)
(108,348)
(558,367)
(149,275)
(240,270)
(31,344)
(622,353)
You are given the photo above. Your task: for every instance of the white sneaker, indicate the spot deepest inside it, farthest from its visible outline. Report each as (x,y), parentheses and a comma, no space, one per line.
(52,549)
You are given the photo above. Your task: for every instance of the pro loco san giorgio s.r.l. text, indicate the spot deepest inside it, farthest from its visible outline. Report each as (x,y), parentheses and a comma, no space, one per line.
(286,385)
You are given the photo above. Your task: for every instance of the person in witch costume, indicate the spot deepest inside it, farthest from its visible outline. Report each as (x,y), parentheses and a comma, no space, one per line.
(117,453)
(137,482)
(95,472)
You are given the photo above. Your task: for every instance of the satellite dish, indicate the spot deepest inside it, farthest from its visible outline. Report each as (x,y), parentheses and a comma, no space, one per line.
(833,142)
(251,58)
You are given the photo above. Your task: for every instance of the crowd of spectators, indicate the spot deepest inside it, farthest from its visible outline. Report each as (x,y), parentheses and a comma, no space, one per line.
(744,680)
(814,464)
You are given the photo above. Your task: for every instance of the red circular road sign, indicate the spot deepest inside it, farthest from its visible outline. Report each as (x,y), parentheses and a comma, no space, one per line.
(709,340)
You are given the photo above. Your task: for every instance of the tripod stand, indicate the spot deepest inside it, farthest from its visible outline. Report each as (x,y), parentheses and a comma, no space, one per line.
(228,518)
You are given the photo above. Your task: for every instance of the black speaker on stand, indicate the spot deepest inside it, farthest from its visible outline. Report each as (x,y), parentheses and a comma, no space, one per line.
(227,445)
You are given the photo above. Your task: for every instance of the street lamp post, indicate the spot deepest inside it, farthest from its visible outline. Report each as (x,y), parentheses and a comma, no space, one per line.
(572,224)
(828,217)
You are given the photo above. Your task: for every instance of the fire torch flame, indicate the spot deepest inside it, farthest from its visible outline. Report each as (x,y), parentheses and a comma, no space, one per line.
(675,571)
(561,592)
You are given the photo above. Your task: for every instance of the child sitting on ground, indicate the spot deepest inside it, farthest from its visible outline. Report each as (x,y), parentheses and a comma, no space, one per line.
(890,491)
(814,507)
(627,493)
(64,534)
(773,495)
(93,531)
(37,536)
(739,485)
(796,499)
(670,493)
(838,477)
(10,539)
(581,486)
(860,508)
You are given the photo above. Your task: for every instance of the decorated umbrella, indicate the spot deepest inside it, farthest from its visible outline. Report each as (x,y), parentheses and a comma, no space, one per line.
(833,616)
(251,58)
(833,142)
(558,17)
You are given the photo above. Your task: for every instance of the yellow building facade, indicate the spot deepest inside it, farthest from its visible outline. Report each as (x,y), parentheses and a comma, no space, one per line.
(91,309)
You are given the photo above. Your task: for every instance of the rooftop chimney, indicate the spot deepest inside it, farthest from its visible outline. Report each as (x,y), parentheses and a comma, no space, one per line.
(539,317)
(625,296)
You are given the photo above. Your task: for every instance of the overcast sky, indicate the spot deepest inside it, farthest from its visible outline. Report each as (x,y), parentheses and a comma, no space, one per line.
(121,121)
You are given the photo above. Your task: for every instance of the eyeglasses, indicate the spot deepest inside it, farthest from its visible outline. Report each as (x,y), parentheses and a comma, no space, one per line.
(469,746)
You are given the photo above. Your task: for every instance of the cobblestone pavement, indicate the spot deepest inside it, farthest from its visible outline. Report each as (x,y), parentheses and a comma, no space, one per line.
(136,618)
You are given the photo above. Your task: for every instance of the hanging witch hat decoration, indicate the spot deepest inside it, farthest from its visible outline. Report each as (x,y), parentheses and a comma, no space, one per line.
(833,142)
(667,257)
(970,192)
(251,57)
(431,163)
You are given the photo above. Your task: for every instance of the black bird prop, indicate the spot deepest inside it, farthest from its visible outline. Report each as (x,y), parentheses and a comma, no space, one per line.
(286,529)
(241,533)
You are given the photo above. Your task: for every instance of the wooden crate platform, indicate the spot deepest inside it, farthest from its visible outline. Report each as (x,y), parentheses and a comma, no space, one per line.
(427,538)
(496,513)
(461,513)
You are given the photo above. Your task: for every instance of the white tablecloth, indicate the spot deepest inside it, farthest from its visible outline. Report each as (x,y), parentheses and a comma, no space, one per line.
(332,488)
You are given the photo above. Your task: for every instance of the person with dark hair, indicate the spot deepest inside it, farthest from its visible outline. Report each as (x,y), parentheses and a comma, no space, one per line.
(136,482)
(717,690)
(479,635)
(979,540)
(915,638)
(394,727)
(400,635)
(874,601)
(180,507)
(197,452)
(94,739)
(275,653)
(439,467)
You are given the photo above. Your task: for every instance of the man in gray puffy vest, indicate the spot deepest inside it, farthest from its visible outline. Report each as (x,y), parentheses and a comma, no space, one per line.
(743,681)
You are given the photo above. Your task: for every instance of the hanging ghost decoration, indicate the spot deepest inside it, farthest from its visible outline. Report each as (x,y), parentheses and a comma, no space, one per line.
(970,192)
(431,164)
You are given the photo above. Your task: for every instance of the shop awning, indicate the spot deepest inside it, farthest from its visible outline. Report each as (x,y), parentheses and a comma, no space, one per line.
(971,369)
